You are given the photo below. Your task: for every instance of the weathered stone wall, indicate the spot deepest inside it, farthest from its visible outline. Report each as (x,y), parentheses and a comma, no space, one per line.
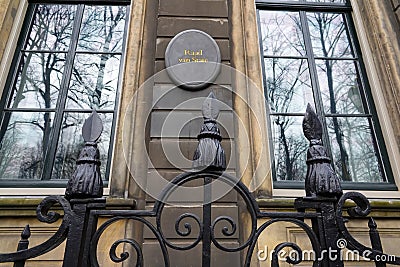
(383,34)
(8,11)
(175,121)
(15,214)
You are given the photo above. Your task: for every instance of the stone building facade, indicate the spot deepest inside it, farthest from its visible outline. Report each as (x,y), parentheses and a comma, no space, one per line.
(155,126)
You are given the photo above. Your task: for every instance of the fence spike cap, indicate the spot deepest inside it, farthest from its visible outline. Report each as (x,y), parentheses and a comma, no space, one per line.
(92,128)
(86,181)
(210,107)
(371,223)
(209,153)
(312,127)
(321,179)
(26,233)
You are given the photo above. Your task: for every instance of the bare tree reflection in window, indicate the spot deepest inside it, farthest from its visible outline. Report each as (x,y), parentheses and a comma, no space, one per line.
(95,77)
(39,79)
(328,33)
(288,89)
(38,85)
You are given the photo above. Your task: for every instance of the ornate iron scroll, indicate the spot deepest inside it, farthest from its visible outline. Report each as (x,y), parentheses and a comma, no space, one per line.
(145,217)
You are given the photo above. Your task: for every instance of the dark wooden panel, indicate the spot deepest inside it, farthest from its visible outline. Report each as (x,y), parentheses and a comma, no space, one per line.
(193,8)
(162,77)
(186,123)
(163,42)
(170,26)
(189,258)
(180,153)
(169,174)
(171,97)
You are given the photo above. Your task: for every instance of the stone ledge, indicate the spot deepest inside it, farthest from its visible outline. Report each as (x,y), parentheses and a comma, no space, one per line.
(26,206)
(380,207)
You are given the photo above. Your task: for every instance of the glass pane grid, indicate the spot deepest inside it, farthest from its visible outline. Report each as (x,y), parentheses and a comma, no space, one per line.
(39,81)
(331,80)
(290,148)
(281,33)
(52,27)
(43,51)
(102,29)
(24,144)
(353,149)
(41,84)
(94,82)
(288,86)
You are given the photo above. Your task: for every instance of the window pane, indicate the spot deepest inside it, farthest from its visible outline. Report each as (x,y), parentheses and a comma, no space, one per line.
(339,86)
(328,1)
(290,148)
(94,82)
(23,145)
(102,28)
(39,80)
(328,35)
(71,142)
(281,33)
(52,27)
(353,149)
(288,85)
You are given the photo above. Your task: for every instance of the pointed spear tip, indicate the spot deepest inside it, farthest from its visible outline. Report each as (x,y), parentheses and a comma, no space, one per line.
(372,224)
(26,233)
(210,107)
(312,127)
(92,127)
(310,109)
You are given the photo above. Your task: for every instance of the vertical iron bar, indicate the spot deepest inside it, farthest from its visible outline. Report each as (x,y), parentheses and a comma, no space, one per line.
(90,229)
(331,235)
(23,244)
(375,240)
(206,257)
(325,228)
(81,231)
(75,234)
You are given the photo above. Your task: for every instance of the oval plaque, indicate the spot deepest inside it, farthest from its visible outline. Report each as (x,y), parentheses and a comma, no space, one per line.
(193,59)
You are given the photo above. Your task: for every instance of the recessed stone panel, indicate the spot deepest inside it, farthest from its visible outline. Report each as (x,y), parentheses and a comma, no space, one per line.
(194,8)
(170,26)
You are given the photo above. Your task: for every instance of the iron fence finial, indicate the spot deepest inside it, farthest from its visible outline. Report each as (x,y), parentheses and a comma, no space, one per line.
(321,179)
(209,153)
(86,182)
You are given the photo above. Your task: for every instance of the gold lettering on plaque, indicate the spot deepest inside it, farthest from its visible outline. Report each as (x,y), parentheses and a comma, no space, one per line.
(195,56)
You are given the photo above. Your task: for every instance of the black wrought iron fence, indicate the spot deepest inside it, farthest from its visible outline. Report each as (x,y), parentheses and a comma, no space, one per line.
(323,205)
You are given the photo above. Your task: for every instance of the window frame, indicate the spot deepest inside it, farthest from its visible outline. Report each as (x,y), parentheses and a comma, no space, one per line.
(368,100)
(12,74)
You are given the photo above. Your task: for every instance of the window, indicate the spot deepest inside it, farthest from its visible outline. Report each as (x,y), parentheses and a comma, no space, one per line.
(311,55)
(67,62)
